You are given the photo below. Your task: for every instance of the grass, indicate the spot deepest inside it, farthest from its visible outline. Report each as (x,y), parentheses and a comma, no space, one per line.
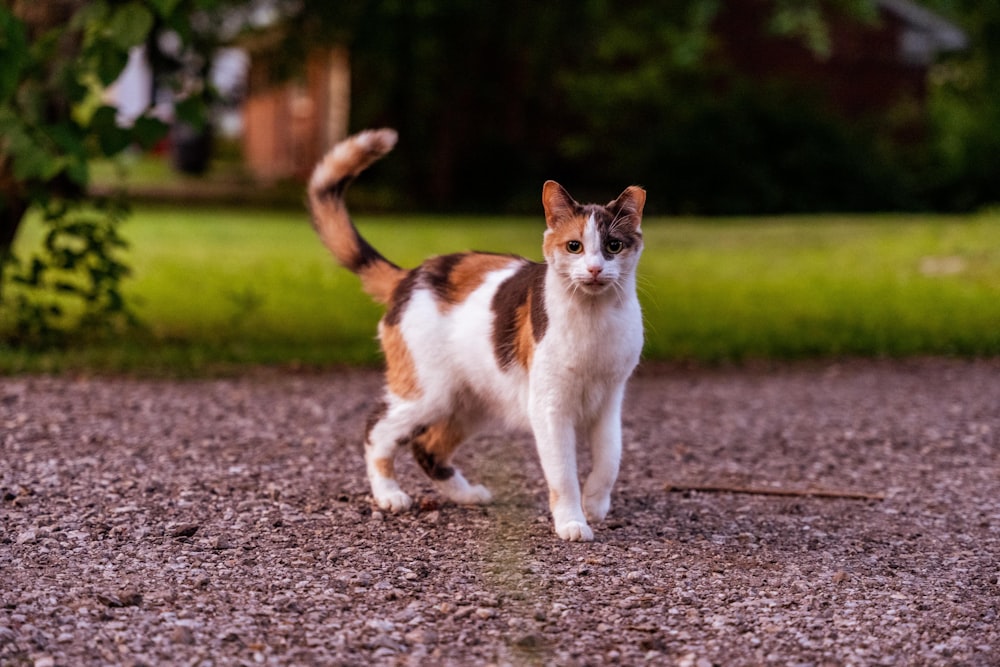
(219,288)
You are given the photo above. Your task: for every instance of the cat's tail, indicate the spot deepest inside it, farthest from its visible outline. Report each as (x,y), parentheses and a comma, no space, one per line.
(330,179)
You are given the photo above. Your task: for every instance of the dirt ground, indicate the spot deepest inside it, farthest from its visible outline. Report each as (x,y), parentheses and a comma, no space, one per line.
(220,522)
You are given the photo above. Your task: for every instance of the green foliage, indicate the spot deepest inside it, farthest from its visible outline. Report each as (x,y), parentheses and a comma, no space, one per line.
(964,168)
(752,149)
(56,59)
(73,284)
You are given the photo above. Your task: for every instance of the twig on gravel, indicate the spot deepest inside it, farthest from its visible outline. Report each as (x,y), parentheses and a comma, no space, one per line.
(814,492)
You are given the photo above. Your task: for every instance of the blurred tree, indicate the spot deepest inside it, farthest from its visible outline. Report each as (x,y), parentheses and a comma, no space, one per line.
(492,96)
(965,169)
(56,59)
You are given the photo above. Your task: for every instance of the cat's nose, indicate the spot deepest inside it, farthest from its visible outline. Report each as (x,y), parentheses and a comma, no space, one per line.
(594,270)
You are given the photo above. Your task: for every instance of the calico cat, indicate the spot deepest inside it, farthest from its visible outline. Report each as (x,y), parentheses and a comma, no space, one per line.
(478,339)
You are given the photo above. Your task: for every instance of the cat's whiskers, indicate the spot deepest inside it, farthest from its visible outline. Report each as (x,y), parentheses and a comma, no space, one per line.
(616,221)
(621,293)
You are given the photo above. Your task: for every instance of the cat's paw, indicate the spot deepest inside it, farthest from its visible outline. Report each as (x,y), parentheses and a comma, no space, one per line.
(393,501)
(575,531)
(596,508)
(458,490)
(477,494)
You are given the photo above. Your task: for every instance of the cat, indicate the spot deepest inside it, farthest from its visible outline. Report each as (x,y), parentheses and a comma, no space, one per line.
(478,339)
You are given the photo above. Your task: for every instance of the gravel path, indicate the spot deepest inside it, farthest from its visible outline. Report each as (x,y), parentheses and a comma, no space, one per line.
(228,522)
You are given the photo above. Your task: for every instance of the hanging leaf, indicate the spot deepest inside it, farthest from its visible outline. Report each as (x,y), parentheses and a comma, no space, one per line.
(130,25)
(191,110)
(110,61)
(112,138)
(148,131)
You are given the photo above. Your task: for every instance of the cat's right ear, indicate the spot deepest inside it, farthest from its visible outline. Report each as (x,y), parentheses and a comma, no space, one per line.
(558,204)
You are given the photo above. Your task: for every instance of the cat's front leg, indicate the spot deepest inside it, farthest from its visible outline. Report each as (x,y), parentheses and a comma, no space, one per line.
(605,439)
(555,438)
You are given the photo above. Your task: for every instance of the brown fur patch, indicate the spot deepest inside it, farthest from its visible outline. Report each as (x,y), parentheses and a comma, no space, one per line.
(386,467)
(433,449)
(401,373)
(400,297)
(519,317)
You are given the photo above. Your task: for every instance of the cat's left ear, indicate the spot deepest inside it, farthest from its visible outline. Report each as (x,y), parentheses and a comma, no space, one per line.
(630,202)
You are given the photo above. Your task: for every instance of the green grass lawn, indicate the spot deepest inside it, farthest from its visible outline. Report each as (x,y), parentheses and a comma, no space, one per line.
(224,287)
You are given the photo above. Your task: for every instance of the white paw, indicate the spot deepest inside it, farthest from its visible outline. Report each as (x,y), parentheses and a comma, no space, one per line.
(474,495)
(458,490)
(596,508)
(575,531)
(393,501)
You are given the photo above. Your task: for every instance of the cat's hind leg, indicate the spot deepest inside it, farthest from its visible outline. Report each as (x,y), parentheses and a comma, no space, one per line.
(390,426)
(433,449)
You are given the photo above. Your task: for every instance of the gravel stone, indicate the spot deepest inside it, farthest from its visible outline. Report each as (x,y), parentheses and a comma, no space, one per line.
(228,522)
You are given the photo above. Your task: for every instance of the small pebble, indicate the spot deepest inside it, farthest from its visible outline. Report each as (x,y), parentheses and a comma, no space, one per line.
(463,612)
(421,636)
(129,597)
(221,542)
(530,641)
(185,530)
(182,635)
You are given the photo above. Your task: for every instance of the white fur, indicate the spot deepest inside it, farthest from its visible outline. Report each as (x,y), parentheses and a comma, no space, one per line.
(577,384)
(574,387)
(572,391)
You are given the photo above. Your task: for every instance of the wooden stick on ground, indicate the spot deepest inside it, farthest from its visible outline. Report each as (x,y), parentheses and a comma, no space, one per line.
(813,492)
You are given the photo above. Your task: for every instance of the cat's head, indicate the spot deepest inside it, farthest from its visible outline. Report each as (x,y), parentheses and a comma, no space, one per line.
(592,248)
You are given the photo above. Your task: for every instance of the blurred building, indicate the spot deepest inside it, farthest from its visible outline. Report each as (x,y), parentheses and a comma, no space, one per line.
(288,125)
(869,68)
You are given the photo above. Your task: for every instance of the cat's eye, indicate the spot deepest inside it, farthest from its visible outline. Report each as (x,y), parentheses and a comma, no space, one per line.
(614,246)
(574,247)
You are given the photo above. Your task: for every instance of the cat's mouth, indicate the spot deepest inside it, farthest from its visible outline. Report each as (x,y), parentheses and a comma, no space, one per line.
(594,285)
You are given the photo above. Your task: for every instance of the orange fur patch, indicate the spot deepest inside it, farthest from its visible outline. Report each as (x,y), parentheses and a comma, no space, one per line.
(334,227)
(441,439)
(562,233)
(386,468)
(519,315)
(401,373)
(380,280)
(470,273)
(524,342)
(433,448)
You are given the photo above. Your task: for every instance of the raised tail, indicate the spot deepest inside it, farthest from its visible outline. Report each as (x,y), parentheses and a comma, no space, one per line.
(330,179)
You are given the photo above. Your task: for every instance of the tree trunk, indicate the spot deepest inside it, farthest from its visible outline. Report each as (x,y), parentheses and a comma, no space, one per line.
(13,206)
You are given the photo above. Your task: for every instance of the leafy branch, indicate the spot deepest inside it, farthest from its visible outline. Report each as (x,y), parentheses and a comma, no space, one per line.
(57,59)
